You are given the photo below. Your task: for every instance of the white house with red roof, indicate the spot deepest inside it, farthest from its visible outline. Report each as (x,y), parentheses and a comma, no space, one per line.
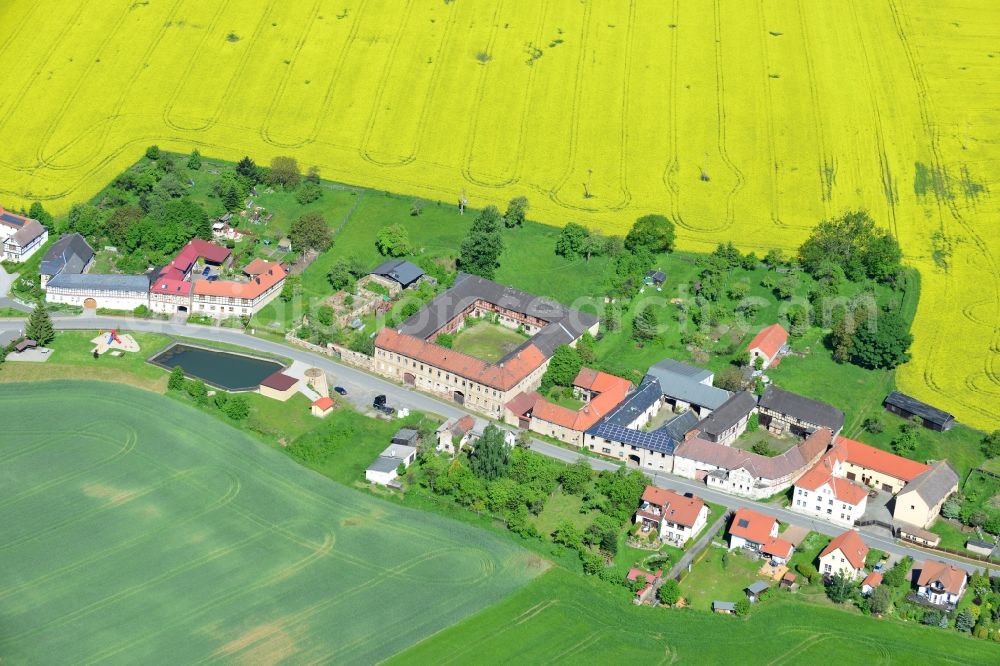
(673,517)
(823,492)
(758,533)
(768,345)
(844,554)
(871,581)
(170,291)
(229,298)
(941,583)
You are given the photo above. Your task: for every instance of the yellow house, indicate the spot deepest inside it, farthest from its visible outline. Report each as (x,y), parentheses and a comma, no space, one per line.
(920,501)
(845,554)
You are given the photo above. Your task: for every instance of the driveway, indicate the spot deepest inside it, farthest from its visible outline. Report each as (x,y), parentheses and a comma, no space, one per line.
(6,280)
(362,387)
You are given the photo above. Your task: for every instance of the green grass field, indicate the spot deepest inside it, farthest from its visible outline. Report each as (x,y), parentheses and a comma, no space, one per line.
(563,618)
(136,528)
(487,341)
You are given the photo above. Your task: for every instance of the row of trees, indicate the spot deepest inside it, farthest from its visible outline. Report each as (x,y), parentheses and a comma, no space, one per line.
(236,407)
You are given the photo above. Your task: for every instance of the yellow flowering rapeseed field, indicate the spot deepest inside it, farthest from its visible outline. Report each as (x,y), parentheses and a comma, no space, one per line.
(742,120)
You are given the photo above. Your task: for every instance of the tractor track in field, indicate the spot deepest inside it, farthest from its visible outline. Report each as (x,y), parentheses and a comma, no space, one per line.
(720,97)
(769,125)
(477,107)
(382,83)
(283,82)
(123,450)
(196,57)
(104,126)
(232,490)
(622,137)
(282,573)
(67,100)
(574,110)
(930,130)
(672,166)
(827,165)
(324,109)
(42,65)
(888,188)
(235,79)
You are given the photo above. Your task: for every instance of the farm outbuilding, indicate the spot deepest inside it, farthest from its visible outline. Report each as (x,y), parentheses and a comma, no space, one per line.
(909,408)
(279,386)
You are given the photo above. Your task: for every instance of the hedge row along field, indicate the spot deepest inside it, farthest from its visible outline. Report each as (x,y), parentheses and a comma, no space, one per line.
(742,120)
(136,527)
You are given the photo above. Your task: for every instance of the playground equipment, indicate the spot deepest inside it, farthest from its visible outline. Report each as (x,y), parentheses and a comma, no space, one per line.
(112,341)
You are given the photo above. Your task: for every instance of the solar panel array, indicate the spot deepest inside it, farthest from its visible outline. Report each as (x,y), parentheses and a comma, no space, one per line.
(657,441)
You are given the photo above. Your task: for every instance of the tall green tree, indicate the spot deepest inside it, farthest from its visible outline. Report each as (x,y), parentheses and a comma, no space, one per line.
(669,592)
(879,600)
(882,342)
(176,380)
(393,241)
(490,459)
(237,408)
(563,367)
(340,275)
(645,326)
(840,588)
(285,172)
(856,244)
(481,249)
(571,240)
(38,212)
(654,233)
(194,160)
(248,171)
(516,210)
(39,326)
(310,232)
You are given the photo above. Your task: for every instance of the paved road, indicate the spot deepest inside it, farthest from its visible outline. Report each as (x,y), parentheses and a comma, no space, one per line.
(362,387)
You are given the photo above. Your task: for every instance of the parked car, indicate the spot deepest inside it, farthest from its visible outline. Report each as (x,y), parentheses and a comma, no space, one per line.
(380,404)
(340,390)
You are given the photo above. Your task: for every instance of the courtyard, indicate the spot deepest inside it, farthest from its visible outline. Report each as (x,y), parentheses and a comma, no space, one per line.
(487,341)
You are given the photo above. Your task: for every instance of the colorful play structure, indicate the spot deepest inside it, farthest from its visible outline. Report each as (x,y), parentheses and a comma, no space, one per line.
(115,343)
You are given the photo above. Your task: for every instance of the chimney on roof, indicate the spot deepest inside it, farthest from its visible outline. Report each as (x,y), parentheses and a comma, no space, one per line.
(257,279)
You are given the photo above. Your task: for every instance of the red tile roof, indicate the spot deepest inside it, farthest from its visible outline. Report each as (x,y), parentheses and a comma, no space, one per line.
(324,403)
(752,526)
(676,507)
(279,381)
(196,248)
(613,390)
(850,544)
(770,340)
(779,547)
(878,460)
(523,402)
(597,381)
(272,275)
(503,377)
(951,577)
(874,579)
(822,473)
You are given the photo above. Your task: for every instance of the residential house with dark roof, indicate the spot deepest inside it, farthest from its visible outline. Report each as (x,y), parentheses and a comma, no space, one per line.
(20,236)
(745,473)
(688,387)
(409,354)
(70,255)
(403,274)
(786,412)
(384,470)
(673,517)
(113,292)
(910,408)
(729,421)
(920,501)
(940,583)
(844,554)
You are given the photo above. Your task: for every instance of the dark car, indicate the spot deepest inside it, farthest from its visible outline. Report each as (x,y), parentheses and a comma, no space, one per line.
(379,401)
(340,390)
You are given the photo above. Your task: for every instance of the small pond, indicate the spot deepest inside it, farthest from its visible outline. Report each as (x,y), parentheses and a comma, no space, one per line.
(226,370)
